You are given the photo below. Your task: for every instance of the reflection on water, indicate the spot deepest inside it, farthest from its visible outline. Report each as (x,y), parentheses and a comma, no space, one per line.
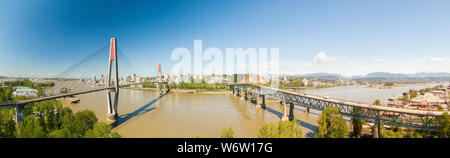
(145,114)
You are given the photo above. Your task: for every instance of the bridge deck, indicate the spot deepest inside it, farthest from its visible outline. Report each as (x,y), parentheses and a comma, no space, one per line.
(352,103)
(12,104)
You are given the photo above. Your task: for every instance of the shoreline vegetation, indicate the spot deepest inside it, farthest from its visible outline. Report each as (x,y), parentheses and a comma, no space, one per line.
(333,125)
(48,119)
(390,85)
(188,87)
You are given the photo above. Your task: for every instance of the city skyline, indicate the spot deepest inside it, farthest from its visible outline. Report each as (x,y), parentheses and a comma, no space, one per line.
(38,37)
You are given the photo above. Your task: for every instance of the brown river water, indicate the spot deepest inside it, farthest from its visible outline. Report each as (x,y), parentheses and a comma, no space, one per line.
(144,114)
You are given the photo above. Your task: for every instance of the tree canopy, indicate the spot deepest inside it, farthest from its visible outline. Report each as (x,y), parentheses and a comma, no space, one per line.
(332,124)
(444,124)
(50,119)
(227,132)
(282,129)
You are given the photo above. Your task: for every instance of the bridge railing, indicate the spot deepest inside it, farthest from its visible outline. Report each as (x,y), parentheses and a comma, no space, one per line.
(419,119)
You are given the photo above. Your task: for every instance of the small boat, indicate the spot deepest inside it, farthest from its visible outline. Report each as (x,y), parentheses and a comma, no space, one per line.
(73,99)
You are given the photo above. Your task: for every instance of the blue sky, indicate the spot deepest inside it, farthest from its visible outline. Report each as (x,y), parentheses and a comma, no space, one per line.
(351,37)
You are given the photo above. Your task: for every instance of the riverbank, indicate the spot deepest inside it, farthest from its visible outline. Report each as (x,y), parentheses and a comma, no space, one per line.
(203,91)
(368,95)
(381,86)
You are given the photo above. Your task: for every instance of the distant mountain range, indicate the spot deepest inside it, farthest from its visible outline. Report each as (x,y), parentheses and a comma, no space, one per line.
(322,75)
(334,76)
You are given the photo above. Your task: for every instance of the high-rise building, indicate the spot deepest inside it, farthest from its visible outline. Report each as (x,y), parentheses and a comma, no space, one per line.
(138,79)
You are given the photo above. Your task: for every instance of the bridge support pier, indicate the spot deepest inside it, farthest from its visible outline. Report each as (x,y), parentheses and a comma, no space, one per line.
(245,94)
(241,95)
(291,112)
(376,130)
(164,88)
(307,110)
(19,113)
(263,101)
(258,106)
(284,116)
(157,88)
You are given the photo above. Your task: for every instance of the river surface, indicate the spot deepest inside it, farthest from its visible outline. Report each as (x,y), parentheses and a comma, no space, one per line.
(369,95)
(185,115)
(181,115)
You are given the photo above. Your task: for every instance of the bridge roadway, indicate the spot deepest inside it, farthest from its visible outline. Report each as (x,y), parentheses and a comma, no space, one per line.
(418,119)
(23,102)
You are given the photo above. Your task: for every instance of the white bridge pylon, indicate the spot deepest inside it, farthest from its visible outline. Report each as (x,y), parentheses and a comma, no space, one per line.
(112,114)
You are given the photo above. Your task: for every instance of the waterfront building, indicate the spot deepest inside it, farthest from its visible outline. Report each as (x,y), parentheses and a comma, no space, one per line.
(25,91)
(428,99)
(439,93)
(305,81)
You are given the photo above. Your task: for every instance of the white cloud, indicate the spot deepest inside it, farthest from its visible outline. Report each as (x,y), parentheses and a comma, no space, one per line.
(441,60)
(323,58)
(376,60)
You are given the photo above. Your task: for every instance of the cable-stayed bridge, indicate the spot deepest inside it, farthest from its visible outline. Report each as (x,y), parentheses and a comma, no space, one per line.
(74,76)
(94,63)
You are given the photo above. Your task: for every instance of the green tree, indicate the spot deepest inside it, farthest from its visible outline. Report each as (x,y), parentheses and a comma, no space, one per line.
(390,134)
(413,94)
(59,134)
(281,129)
(389,84)
(7,124)
(227,132)
(444,125)
(30,128)
(357,123)
(6,93)
(377,102)
(411,133)
(101,130)
(66,121)
(332,124)
(84,120)
(422,91)
(46,111)
(405,97)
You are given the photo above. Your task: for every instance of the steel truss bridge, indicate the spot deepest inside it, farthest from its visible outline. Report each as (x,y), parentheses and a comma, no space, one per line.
(417,119)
